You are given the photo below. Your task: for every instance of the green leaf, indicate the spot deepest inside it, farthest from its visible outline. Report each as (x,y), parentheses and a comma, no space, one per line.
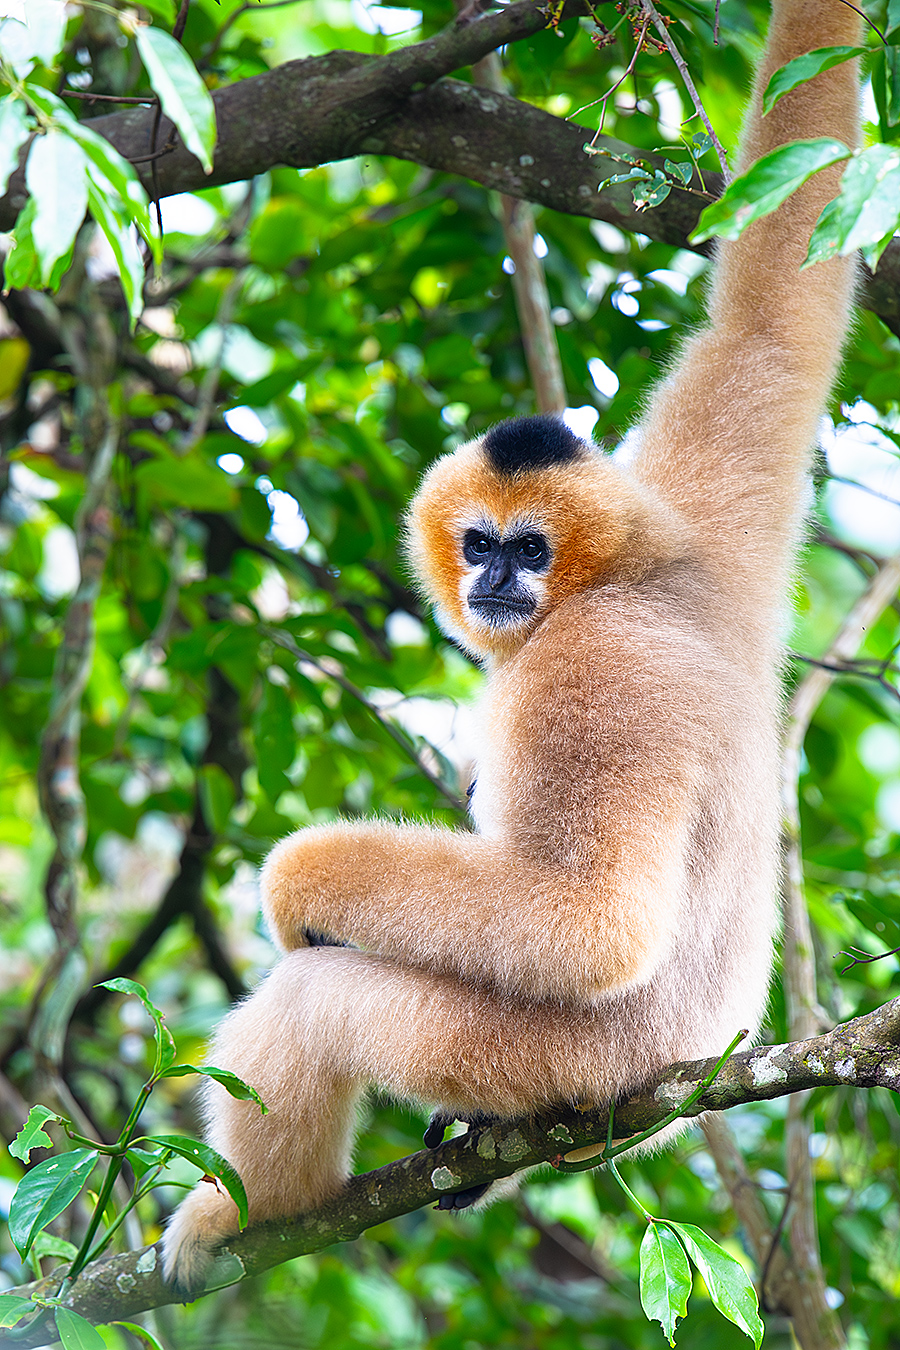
(117,229)
(56,176)
(217,796)
(141,1159)
(211,1163)
(187,482)
(32,1133)
(76,1333)
(14,131)
(183,95)
(651,194)
(766,185)
(141,1333)
(234,1086)
(45,1192)
(893,15)
(13,1308)
(165,1045)
(683,171)
(21,268)
(730,1288)
(108,170)
(45,1244)
(665,1278)
(803,68)
(867,211)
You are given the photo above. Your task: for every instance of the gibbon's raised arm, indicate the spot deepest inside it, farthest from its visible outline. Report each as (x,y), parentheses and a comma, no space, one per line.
(728,434)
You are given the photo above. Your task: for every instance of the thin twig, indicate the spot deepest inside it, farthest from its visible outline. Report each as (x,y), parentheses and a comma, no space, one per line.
(858,957)
(649,9)
(148,100)
(399,737)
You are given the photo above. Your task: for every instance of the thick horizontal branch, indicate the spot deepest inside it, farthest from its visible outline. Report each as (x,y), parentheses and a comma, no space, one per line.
(342,104)
(863,1053)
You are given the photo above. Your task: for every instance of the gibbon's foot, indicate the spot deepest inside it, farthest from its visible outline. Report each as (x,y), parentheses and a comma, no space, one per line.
(463,1199)
(203,1221)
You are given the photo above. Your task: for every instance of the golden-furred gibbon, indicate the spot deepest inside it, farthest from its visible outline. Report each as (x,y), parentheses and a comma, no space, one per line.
(615,910)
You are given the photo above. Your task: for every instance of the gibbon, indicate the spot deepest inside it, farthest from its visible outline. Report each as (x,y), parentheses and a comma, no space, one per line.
(615,910)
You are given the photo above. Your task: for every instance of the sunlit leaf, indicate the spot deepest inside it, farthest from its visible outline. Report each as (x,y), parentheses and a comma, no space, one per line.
(234,1086)
(210,1163)
(729,1285)
(14,131)
(13,1309)
(766,185)
(45,1191)
(803,68)
(56,176)
(867,211)
(183,95)
(165,1045)
(76,1333)
(665,1278)
(32,1134)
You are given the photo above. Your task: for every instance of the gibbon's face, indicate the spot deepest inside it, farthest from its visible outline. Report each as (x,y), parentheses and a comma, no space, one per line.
(508,526)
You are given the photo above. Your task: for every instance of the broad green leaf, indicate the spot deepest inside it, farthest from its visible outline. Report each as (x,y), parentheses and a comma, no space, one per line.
(234,1086)
(891,58)
(651,194)
(14,131)
(108,170)
(165,1045)
(665,1278)
(141,1333)
(46,22)
(56,176)
(21,267)
(211,1163)
(45,1192)
(187,483)
(683,171)
(217,796)
(729,1285)
(45,1244)
(118,234)
(766,185)
(893,15)
(32,1133)
(141,1159)
(76,1333)
(13,1309)
(803,68)
(183,95)
(867,211)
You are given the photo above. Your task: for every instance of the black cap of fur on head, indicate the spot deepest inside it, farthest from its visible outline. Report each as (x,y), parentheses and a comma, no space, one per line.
(525,443)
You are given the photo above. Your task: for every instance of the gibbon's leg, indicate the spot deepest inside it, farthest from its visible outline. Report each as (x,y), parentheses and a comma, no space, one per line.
(326,1023)
(728,433)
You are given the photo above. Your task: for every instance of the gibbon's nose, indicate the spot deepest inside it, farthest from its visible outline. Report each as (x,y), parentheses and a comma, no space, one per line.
(499,572)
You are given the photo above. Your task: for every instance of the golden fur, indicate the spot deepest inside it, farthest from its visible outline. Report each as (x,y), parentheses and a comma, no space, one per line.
(616,910)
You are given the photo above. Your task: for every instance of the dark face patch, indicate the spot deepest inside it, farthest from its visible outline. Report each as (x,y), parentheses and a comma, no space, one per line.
(525,443)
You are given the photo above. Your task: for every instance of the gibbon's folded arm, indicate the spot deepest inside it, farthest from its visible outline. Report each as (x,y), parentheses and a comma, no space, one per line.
(578,892)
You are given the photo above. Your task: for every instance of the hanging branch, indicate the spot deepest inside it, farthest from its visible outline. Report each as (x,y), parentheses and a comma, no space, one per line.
(529,281)
(661,28)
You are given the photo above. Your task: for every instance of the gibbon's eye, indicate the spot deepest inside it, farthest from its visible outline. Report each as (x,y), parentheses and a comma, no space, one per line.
(477,546)
(532,549)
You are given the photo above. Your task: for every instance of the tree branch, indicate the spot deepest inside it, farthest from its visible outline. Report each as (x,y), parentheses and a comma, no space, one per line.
(343,104)
(864,1053)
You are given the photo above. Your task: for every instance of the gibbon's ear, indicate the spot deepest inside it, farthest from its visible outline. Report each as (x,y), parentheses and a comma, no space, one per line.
(530,476)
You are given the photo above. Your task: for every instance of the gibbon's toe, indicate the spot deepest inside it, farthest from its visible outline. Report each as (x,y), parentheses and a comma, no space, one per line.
(198,1227)
(463,1199)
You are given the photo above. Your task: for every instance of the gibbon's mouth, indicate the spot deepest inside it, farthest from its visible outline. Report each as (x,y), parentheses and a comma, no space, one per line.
(499,612)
